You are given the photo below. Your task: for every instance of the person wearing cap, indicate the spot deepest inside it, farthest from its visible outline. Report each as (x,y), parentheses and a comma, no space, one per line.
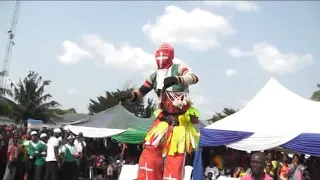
(58,134)
(36,157)
(69,153)
(43,137)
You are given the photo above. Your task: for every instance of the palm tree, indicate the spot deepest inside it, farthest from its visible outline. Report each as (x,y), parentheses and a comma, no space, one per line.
(228,111)
(5,91)
(28,99)
(5,109)
(111,99)
(150,108)
(218,116)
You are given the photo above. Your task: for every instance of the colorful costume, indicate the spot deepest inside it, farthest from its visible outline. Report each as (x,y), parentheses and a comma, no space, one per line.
(172,133)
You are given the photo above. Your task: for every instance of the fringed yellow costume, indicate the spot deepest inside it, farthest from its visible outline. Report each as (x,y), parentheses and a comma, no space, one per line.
(178,139)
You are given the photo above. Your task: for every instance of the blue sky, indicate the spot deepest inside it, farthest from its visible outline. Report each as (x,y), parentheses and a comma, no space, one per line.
(234,47)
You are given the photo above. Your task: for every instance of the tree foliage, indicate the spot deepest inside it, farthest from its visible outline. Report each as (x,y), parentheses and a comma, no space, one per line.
(220,115)
(56,112)
(5,109)
(110,99)
(316,95)
(28,98)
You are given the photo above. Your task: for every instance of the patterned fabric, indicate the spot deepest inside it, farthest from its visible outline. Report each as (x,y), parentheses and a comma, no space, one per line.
(13,152)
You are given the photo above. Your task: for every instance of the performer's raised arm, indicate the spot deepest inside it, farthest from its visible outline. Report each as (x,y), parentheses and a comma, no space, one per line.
(143,90)
(186,77)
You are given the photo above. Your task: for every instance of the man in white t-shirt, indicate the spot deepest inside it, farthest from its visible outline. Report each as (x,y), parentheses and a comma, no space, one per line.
(52,159)
(187,172)
(80,145)
(212,169)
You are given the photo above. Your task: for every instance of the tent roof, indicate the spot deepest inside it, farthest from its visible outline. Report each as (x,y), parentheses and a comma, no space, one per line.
(112,122)
(70,118)
(117,117)
(273,109)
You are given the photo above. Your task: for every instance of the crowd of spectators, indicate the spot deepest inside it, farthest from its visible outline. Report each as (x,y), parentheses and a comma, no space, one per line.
(277,165)
(56,154)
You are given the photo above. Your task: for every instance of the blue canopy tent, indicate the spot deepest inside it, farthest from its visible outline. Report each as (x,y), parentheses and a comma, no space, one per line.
(34,124)
(253,127)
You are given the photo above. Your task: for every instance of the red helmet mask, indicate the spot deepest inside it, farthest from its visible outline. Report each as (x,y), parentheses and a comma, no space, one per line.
(164,56)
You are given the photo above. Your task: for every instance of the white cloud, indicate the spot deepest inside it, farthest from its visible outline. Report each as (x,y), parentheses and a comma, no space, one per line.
(125,57)
(73,91)
(199,99)
(230,72)
(238,53)
(73,53)
(272,60)
(197,29)
(242,6)
(201,102)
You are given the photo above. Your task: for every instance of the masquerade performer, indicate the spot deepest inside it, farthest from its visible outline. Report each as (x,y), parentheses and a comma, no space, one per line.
(172,134)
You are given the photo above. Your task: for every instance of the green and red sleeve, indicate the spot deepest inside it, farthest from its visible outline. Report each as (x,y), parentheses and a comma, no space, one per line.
(186,77)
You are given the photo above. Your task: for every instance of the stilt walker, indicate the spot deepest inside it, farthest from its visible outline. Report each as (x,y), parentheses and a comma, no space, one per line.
(172,134)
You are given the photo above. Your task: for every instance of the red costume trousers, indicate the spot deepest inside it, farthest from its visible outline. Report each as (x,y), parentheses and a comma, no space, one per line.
(174,167)
(150,165)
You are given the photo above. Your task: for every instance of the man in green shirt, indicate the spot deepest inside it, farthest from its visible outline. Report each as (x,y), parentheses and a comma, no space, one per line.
(36,157)
(70,154)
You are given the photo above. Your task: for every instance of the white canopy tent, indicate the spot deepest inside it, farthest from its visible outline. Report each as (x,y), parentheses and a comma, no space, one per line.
(275,115)
(92,132)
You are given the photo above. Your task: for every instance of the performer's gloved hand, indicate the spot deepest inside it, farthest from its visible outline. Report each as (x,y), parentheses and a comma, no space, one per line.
(194,119)
(169,81)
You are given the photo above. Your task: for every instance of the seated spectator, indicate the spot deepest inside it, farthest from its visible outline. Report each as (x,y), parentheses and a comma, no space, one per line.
(257,163)
(296,171)
(237,172)
(268,170)
(210,176)
(212,169)
(283,168)
(108,171)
